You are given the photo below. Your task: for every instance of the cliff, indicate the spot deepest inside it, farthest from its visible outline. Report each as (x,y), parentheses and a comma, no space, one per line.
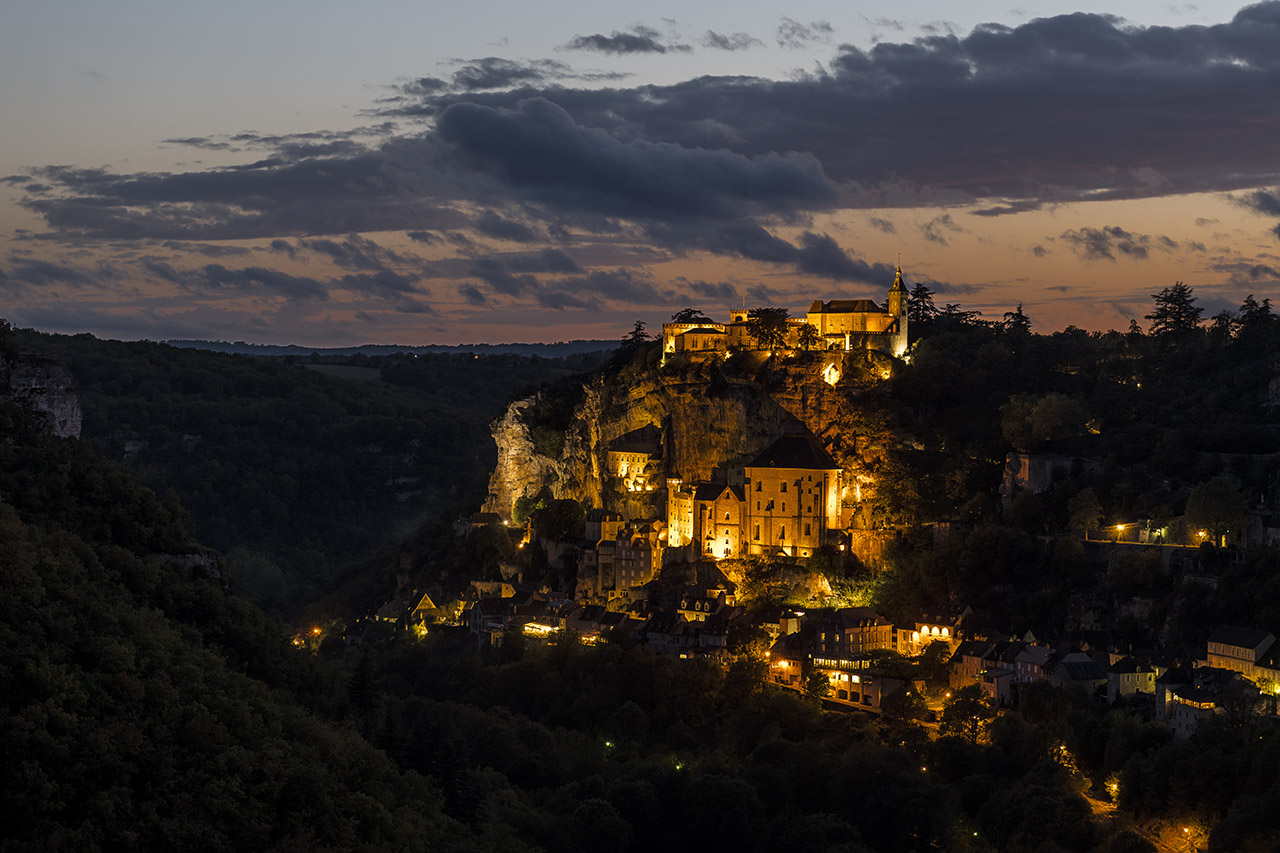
(45,386)
(714,417)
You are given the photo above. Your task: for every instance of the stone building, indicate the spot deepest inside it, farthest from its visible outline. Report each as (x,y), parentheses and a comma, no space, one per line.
(840,324)
(788,504)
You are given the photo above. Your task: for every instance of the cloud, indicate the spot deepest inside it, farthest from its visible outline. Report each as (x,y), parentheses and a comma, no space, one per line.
(24,273)
(882,225)
(537,149)
(639,39)
(1094,244)
(493,225)
(722,291)
(793,34)
(352,252)
(1055,110)
(495,72)
(216,277)
(936,229)
(729,41)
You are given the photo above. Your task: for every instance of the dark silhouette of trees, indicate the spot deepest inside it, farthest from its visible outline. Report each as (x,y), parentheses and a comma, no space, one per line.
(1176,313)
(690,315)
(768,327)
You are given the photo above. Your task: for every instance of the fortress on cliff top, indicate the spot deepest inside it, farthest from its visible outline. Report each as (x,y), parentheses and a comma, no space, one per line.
(840,324)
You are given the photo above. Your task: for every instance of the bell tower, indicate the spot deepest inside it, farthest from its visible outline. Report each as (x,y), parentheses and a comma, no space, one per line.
(898,310)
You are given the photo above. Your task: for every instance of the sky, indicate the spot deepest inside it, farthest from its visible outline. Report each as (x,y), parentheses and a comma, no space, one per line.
(328,173)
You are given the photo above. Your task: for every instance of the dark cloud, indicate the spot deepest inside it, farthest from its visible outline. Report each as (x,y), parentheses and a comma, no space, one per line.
(722,291)
(639,39)
(1055,110)
(1039,251)
(1095,244)
(729,41)
(793,34)
(815,254)
(937,229)
(546,260)
(371,191)
(398,289)
(882,225)
(354,252)
(472,294)
(1006,209)
(536,148)
(493,225)
(216,277)
(24,272)
(495,274)
(208,250)
(1060,288)
(1246,272)
(423,237)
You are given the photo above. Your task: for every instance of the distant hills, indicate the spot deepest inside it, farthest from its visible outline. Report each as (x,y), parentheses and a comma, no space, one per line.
(555,350)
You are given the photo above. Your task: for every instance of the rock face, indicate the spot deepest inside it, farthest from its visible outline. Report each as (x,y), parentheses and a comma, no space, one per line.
(712,423)
(45,386)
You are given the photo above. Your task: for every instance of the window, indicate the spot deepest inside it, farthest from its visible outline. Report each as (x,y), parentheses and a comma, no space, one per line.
(726,516)
(757,533)
(759,485)
(806,530)
(784,506)
(757,506)
(783,534)
(784,487)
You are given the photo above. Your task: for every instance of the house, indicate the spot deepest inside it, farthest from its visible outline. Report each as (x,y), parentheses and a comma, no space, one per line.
(997,685)
(1032,663)
(943,624)
(789,504)
(1077,669)
(1248,651)
(1128,676)
(636,459)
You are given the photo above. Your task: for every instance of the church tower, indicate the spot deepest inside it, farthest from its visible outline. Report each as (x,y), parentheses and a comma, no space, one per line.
(898,310)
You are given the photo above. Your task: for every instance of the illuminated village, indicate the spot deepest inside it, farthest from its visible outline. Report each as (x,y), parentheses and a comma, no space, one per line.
(789,502)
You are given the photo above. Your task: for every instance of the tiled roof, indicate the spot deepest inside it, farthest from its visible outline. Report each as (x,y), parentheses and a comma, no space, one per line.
(845,306)
(795,451)
(1245,638)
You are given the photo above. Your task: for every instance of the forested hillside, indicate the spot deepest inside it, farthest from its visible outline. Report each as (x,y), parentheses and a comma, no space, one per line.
(295,467)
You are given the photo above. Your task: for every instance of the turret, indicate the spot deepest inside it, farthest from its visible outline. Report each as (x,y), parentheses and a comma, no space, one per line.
(898,296)
(898,309)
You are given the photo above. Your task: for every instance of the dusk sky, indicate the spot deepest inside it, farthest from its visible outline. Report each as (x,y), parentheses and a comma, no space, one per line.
(331,173)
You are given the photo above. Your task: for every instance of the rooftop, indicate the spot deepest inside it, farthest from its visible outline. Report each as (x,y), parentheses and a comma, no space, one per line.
(795,451)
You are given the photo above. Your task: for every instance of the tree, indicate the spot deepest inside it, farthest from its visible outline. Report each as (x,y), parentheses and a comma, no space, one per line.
(920,307)
(636,337)
(815,682)
(1175,314)
(1016,322)
(690,315)
(1215,507)
(768,327)
(966,714)
(1084,512)
(809,338)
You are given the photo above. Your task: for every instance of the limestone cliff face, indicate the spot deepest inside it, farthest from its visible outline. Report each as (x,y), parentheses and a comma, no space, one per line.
(46,387)
(712,425)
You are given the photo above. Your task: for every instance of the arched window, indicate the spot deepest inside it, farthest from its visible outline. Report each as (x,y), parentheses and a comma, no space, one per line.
(726,516)
(784,487)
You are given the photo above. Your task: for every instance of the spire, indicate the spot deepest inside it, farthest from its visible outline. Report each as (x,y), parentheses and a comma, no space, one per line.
(897,281)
